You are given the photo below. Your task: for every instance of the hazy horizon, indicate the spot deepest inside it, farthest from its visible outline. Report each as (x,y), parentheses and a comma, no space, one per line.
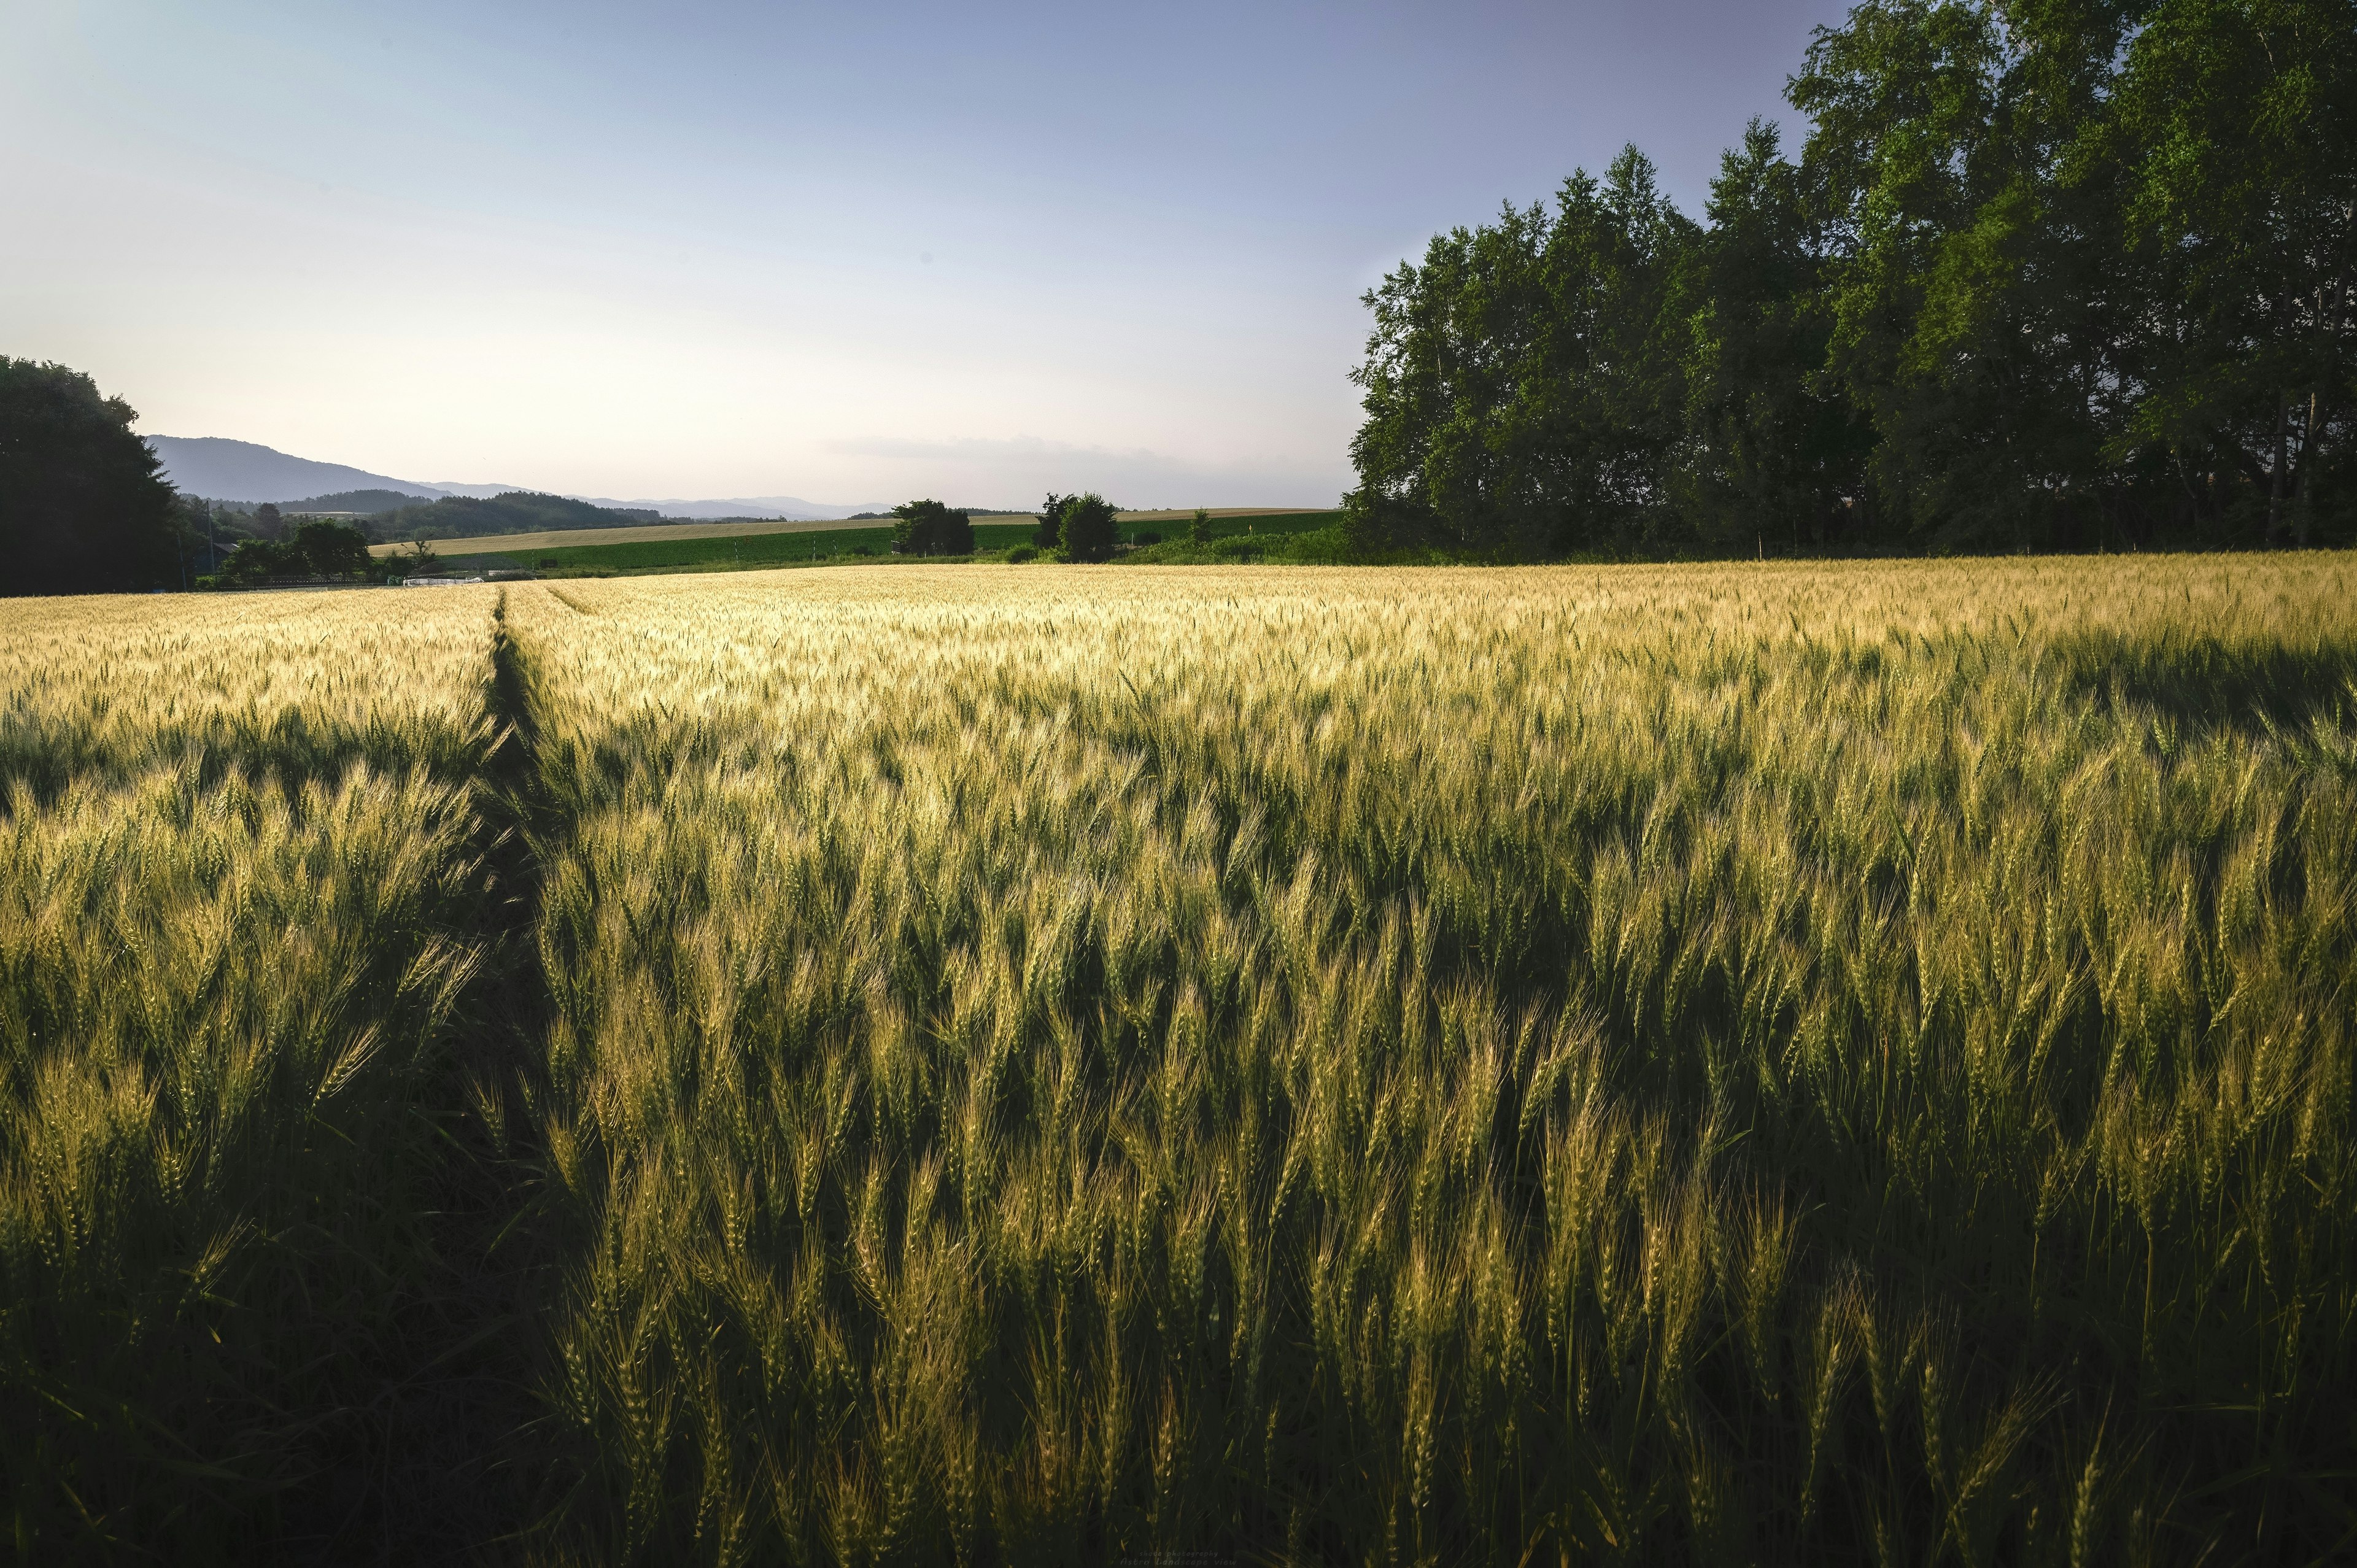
(745,250)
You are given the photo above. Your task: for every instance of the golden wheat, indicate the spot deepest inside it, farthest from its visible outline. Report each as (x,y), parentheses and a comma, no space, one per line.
(1725,1063)
(236,888)
(1451,1065)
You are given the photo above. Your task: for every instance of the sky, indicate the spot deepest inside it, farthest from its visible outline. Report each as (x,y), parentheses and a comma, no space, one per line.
(851,252)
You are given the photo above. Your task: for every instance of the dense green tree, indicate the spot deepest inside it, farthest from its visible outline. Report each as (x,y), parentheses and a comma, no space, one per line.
(1086,523)
(1524,384)
(193,532)
(316,547)
(1772,450)
(84,508)
(1982,314)
(331,549)
(2049,273)
(259,560)
(930,528)
(510,511)
(2239,120)
(1049,535)
(417,561)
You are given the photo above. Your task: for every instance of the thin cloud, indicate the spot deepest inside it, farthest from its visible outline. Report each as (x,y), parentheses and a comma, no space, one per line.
(1008,469)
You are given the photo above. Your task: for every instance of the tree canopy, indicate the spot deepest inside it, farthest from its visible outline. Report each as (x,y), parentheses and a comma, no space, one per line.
(2043,277)
(931,528)
(1086,523)
(84,508)
(1049,535)
(314,547)
(512,511)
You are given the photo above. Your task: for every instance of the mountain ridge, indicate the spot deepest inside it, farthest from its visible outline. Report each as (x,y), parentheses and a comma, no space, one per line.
(219,468)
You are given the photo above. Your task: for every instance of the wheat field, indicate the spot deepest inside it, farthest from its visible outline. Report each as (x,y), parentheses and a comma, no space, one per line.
(1798,1063)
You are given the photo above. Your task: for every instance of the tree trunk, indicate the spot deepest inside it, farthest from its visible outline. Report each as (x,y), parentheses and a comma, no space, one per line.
(2302,511)
(2275,486)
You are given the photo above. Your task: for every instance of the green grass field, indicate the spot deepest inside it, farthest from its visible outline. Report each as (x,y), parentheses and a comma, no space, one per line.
(1782,1063)
(841,546)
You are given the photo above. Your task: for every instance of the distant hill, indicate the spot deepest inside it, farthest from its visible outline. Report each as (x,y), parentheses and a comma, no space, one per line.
(363,501)
(222,469)
(793,509)
(245,472)
(517,511)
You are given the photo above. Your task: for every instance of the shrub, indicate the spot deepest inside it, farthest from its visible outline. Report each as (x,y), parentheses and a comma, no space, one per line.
(1049,535)
(258,560)
(82,506)
(930,528)
(330,549)
(1087,524)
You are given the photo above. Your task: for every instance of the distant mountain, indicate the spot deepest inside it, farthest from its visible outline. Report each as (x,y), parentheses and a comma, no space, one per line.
(222,469)
(794,509)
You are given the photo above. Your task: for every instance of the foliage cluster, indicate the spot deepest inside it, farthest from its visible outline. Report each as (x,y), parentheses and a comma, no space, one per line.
(2065,277)
(83,507)
(929,528)
(317,547)
(515,511)
(365,502)
(1082,527)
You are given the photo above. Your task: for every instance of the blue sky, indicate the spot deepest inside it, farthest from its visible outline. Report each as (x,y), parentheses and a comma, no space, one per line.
(849,254)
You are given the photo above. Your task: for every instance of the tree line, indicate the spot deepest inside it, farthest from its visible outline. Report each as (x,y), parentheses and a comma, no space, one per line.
(2053,274)
(83,505)
(1084,526)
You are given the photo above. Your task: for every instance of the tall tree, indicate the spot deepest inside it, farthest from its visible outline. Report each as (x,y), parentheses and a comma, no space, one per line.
(1772,450)
(1523,384)
(328,548)
(83,507)
(2239,120)
(1982,314)
(1086,522)
(931,528)
(2051,274)
(1049,535)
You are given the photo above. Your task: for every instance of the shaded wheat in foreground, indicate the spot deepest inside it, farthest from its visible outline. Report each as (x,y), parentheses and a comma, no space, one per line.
(1715,1064)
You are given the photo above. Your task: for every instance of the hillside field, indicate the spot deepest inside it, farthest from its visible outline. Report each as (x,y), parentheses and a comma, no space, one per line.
(1784,1063)
(708,547)
(521,544)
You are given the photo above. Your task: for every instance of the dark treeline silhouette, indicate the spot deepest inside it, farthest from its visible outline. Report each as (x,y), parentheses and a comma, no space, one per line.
(84,508)
(357,503)
(930,528)
(512,511)
(2069,275)
(1082,527)
(313,547)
